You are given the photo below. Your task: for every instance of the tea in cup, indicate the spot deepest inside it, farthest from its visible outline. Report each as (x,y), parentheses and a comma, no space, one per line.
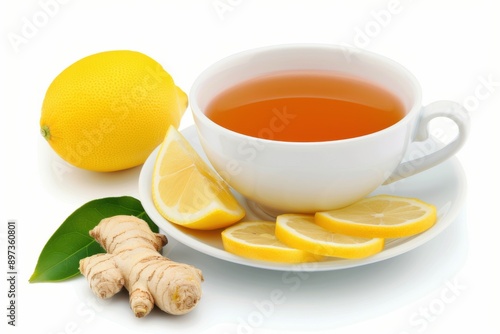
(307,128)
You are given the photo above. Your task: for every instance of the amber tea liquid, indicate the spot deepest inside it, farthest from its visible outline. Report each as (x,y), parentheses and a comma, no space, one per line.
(305,106)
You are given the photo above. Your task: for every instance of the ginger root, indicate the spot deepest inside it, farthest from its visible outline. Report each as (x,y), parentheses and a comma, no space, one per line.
(133,260)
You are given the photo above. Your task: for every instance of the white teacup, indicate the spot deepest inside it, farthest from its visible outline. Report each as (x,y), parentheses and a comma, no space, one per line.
(315,176)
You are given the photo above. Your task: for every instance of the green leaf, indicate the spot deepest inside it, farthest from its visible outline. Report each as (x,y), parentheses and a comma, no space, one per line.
(71,242)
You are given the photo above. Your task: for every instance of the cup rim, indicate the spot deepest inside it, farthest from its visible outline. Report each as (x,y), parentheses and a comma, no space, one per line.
(207,72)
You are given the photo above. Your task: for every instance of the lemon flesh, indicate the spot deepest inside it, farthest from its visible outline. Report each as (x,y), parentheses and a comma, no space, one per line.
(300,231)
(257,240)
(383,216)
(187,192)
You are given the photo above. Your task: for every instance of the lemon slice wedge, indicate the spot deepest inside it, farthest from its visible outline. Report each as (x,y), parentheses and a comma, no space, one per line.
(300,231)
(256,240)
(383,216)
(187,192)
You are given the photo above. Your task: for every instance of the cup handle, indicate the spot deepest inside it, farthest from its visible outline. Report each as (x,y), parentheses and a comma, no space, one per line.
(448,109)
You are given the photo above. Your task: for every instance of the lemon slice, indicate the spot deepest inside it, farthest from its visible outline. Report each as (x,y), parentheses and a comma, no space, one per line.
(256,240)
(187,192)
(300,231)
(383,216)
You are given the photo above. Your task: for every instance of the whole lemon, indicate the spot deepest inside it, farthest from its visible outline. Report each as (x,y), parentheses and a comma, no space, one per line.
(108,111)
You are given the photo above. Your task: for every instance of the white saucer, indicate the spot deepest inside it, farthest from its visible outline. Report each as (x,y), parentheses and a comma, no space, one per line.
(444,186)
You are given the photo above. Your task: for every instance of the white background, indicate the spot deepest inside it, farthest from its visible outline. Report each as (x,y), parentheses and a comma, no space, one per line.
(452,48)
